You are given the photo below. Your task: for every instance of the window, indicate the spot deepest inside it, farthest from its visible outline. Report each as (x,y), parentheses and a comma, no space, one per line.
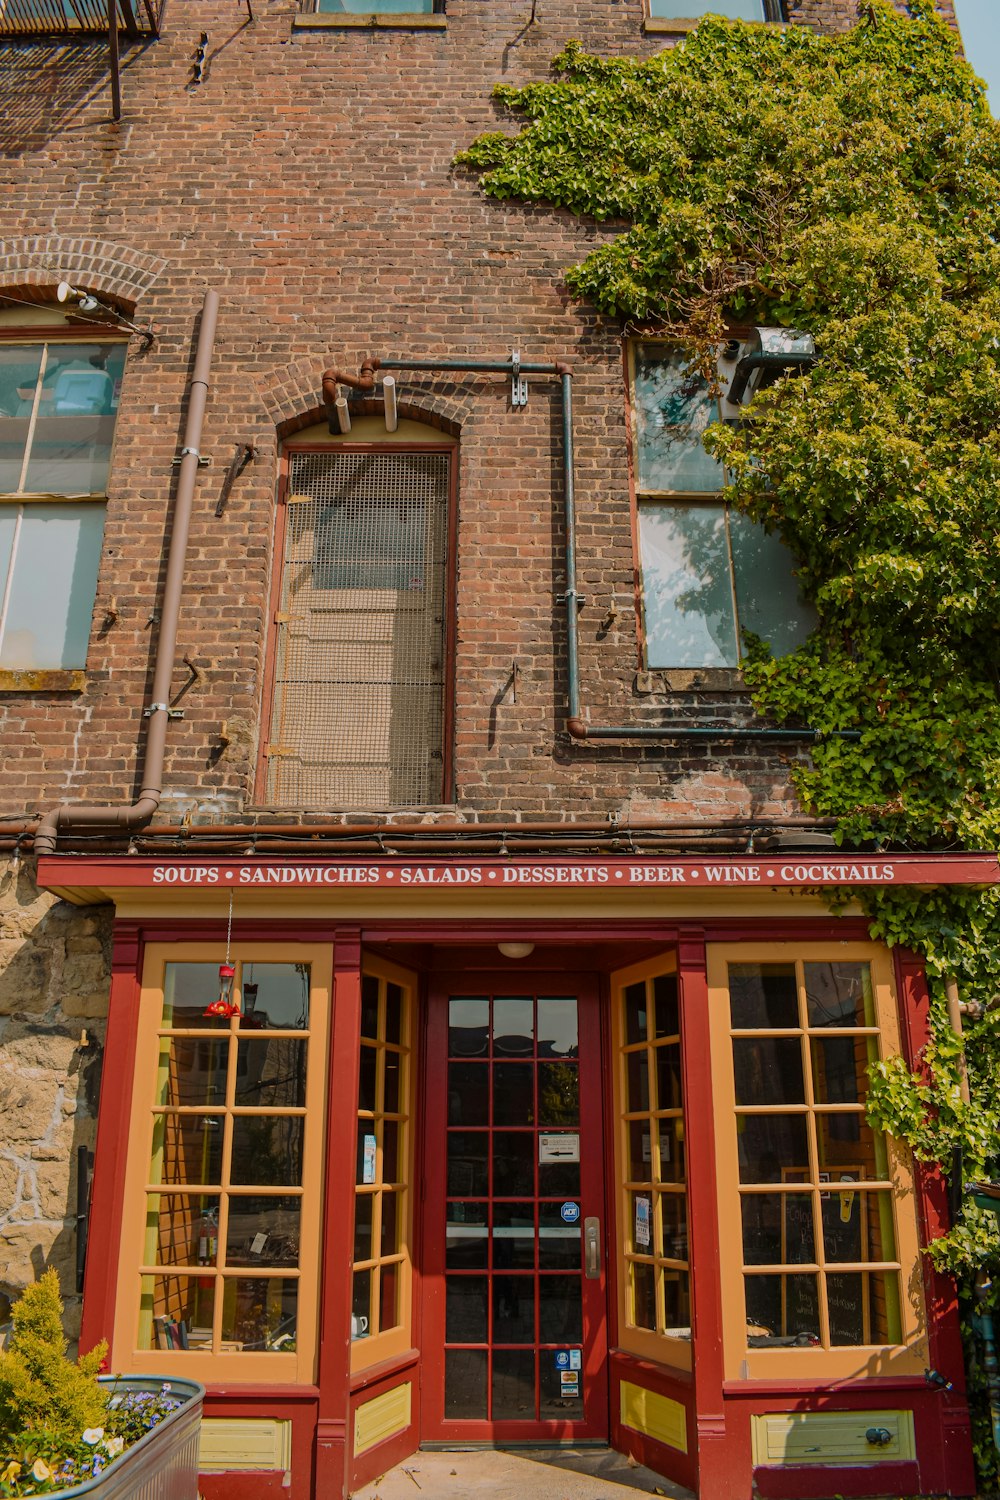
(708,572)
(374,7)
(818,1270)
(358,704)
(655,1290)
(221,1239)
(380,1303)
(58,406)
(741,10)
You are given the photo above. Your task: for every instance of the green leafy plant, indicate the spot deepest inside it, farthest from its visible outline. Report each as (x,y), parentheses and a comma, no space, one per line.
(849,185)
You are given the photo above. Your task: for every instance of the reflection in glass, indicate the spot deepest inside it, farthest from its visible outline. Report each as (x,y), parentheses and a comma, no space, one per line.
(361,1304)
(467,1163)
(637,1080)
(392,1064)
(562,1177)
(263,1231)
(673,1217)
(763,997)
(363,1205)
(643,1280)
(513,1027)
(513,1093)
(560,1309)
(558,1243)
(676,1301)
(468,1027)
(465,1309)
(839,994)
(184,1228)
(75,421)
(267,1150)
(390,1151)
(665,1005)
(513,1309)
(768,1070)
(839,1065)
(778,1229)
(670,1141)
(640,1167)
(513,1163)
(669,1080)
(673,409)
(367,1073)
(558,1094)
(258,1314)
(389,1243)
(281,999)
(514,1236)
(687,590)
(187,1149)
(768,600)
(192,1070)
(770,1143)
(369,1006)
(388,1296)
(466,1239)
(393,1013)
(558,1032)
(48,627)
(468,1093)
(187,989)
(465,1384)
(636,1026)
(514,1385)
(555,1402)
(848,1138)
(271,1072)
(864,1307)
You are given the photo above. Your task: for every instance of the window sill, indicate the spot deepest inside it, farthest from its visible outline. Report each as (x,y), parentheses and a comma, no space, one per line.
(681,25)
(665,680)
(402,20)
(42,682)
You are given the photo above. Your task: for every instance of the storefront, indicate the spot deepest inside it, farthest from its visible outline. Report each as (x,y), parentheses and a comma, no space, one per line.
(508,1150)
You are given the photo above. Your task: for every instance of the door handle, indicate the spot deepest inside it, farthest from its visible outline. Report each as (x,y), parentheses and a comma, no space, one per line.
(592,1249)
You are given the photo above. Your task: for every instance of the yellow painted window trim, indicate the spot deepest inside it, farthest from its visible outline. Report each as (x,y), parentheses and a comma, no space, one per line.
(395,1341)
(644,1342)
(909,1357)
(298,1367)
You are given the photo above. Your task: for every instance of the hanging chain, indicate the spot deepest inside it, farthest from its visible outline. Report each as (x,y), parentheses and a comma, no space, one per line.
(229,926)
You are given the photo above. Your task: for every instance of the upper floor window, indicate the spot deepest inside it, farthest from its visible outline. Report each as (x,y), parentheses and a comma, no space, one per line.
(359,687)
(709,573)
(734,10)
(373,7)
(58,406)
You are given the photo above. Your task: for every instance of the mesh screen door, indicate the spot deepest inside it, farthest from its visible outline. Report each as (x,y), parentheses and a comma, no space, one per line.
(358,711)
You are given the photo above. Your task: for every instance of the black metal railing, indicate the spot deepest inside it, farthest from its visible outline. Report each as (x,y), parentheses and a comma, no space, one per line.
(77,17)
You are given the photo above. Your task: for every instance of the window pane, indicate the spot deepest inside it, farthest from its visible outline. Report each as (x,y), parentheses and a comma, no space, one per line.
(465,1309)
(192,1070)
(468,1093)
(640,1156)
(184,1228)
(187,989)
(276,996)
(176,1312)
(49,628)
(637,1081)
(768,601)
(558,1243)
(466,1239)
(258,1314)
(388,1297)
(558,1094)
(636,1021)
(671,1145)
(666,1005)
(187,1149)
(673,1215)
(676,1301)
(263,1231)
(839,1067)
(848,1147)
(686,586)
(513,1094)
(782,1310)
(769,1144)
(864,1307)
(643,1295)
(736,10)
(363,1207)
(465,1383)
(71,447)
(768,1070)
(514,1385)
(557,1027)
(267,1150)
(669,1084)
(19,368)
(763,997)
(468,1027)
(839,994)
(376,7)
(673,410)
(778,1229)
(271,1073)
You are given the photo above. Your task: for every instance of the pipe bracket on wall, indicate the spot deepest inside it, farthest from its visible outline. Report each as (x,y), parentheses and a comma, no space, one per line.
(518,382)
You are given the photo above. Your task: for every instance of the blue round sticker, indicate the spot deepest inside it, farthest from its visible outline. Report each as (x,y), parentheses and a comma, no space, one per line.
(570,1212)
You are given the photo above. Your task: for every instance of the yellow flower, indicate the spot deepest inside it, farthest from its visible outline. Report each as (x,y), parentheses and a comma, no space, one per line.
(11,1472)
(40,1469)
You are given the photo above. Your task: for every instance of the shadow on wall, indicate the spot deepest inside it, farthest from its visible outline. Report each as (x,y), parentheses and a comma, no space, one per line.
(54,981)
(46,86)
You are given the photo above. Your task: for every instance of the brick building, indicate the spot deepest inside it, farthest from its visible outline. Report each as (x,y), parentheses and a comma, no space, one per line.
(350,695)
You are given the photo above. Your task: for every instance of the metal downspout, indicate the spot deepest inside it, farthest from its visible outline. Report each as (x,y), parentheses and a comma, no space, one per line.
(142,811)
(577,726)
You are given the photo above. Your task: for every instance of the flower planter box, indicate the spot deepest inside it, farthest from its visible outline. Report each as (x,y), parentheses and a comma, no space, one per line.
(164,1464)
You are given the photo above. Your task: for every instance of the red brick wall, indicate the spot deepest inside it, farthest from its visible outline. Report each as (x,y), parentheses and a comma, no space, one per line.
(308,179)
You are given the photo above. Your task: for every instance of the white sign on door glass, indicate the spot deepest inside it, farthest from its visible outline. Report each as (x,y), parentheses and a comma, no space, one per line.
(563,1147)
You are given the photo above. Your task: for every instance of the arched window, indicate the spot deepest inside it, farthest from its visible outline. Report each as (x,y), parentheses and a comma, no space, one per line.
(358,689)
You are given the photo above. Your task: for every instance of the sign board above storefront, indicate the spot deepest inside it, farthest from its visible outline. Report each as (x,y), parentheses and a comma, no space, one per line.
(804,872)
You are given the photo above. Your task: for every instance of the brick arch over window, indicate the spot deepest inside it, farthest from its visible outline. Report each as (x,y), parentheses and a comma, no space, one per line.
(33,266)
(293,398)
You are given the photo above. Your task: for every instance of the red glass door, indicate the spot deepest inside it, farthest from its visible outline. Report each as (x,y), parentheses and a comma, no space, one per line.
(514,1312)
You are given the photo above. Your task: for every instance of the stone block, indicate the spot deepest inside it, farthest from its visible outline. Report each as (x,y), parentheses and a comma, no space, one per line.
(25,970)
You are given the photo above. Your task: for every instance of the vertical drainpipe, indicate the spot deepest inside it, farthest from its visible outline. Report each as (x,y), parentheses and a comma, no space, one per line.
(141,812)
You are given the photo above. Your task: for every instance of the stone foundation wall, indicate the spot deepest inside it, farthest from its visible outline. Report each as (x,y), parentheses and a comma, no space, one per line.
(54,977)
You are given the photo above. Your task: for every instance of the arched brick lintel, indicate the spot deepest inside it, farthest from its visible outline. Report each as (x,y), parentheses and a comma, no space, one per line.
(33,266)
(294,399)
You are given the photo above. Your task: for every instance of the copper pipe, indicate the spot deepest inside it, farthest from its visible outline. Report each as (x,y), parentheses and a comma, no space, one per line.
(141,811)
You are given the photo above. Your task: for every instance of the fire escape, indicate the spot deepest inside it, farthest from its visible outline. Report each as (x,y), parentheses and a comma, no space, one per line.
(84,20)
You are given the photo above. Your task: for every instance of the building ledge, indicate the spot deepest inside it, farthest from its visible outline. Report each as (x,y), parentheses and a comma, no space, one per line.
(394,21)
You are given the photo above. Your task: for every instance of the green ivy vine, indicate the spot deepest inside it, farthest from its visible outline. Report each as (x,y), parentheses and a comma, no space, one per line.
(850,185)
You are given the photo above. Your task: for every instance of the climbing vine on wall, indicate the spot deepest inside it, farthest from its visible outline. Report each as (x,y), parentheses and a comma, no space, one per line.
(849,185)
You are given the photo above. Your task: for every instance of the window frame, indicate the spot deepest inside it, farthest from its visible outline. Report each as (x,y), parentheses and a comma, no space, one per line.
(909,1356)
(299,1366)
(60,332)
(267,700)
(772,14)
(665,1348)
(392,1342)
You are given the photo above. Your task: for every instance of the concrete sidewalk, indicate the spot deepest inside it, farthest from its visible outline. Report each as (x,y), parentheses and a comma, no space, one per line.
(527,1474)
